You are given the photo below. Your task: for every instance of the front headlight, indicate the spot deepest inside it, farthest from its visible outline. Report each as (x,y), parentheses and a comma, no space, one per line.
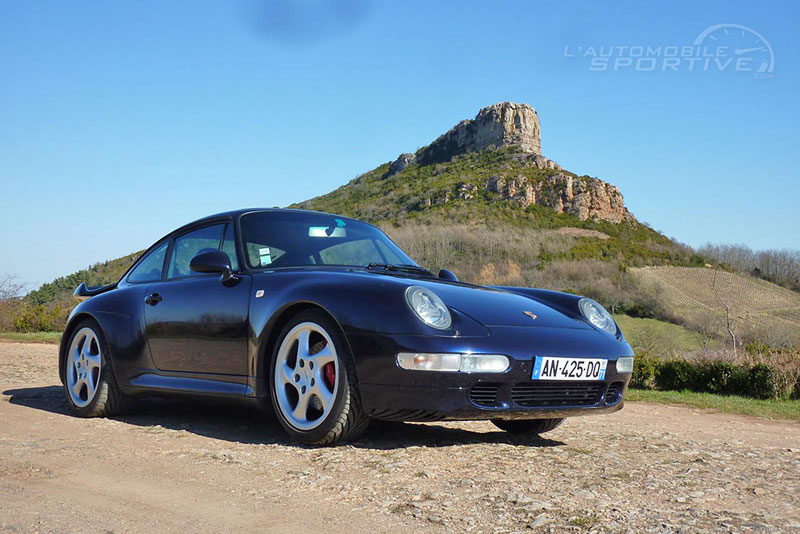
(597,315)
(428,307)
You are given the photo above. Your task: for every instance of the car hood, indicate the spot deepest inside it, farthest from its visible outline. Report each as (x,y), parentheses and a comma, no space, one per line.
(485,305)
(492,307)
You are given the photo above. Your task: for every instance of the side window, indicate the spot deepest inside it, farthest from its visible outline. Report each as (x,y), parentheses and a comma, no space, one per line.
(190,245)
(229,247)
(149,270)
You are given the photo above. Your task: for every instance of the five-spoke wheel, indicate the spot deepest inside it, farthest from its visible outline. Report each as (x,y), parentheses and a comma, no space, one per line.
(83,365)
(314,387)
(305,375)
(88,377)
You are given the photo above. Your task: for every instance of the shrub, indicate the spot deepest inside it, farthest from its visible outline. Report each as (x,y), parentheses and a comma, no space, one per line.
(724,378)
(40,318)
(761,383)
(644,369)
(757,348)
(677,375)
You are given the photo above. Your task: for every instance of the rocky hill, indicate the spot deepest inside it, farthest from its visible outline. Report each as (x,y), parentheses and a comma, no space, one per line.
(494,158)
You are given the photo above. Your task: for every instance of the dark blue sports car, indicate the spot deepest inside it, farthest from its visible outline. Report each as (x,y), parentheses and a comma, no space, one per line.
(325,319)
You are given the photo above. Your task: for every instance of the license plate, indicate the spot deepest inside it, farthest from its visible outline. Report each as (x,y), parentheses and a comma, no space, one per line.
(549,368)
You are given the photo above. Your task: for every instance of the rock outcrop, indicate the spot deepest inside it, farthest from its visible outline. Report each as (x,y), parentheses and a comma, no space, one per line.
(498,125)
(583,197)
(587,198)
(401,163)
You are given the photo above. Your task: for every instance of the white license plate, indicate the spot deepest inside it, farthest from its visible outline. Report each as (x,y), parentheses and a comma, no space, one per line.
(549,368)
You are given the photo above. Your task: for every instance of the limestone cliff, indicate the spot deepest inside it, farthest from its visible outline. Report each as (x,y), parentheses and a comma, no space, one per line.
(507,124)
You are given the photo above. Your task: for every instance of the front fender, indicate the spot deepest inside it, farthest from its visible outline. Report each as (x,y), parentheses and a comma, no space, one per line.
(360,305)
(119,314)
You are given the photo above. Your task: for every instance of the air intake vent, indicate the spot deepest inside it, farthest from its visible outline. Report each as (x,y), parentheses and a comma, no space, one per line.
(546,395)
(483,394)
(614,392)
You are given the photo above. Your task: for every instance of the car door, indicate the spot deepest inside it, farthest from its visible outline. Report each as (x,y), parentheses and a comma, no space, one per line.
(195,323)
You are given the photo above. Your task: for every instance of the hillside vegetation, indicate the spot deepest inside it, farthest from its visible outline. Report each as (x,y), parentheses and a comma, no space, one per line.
(698,295)
(46,308)
(99,274)
(779,266)
(441,195)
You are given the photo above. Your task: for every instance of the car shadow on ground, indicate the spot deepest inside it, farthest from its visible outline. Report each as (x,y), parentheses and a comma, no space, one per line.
(233,421)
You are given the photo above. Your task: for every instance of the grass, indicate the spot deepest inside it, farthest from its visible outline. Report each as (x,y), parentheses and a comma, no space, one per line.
(771,409)
(32,337)
(664,337)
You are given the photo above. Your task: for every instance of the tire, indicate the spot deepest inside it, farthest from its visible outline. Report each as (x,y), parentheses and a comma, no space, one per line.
(316,403)
(89,383)
(527,426)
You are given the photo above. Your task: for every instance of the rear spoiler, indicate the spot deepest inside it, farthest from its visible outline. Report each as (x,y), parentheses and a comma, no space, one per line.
(83,291)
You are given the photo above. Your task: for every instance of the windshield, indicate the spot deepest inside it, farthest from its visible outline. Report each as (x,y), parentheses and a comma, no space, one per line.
(292,239)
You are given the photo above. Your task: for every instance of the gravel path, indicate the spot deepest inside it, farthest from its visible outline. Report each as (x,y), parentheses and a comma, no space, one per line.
(199,467)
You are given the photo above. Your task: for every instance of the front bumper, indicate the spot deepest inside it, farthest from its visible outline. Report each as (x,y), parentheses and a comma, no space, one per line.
(389,392)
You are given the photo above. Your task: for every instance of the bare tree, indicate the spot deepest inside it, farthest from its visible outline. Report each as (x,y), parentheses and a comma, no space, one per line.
(725,302)
(706,329)
(10,301)
(780,266)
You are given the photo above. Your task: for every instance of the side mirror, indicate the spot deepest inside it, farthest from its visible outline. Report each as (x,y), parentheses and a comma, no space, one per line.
(213,262)
(444,274)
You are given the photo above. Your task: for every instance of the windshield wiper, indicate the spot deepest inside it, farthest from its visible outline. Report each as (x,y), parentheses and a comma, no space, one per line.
(403,267)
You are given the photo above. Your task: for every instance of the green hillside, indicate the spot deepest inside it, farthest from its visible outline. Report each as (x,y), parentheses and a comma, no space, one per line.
(434,196)
(98,274)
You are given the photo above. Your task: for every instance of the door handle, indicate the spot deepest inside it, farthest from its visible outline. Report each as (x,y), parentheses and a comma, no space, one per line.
(153,299)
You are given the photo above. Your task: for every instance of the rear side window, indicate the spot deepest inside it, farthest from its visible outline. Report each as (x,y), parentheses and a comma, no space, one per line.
(190,245)
(229,247)
(150,268)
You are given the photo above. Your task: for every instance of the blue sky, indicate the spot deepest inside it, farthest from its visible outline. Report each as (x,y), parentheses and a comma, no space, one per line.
(119,121)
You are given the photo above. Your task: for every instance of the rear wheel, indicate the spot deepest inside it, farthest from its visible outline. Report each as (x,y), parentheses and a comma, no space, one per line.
(89,381)
(314,387)
(527,426)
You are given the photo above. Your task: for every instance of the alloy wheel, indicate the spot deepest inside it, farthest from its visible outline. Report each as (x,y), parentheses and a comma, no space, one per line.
(305,376)
(83,365)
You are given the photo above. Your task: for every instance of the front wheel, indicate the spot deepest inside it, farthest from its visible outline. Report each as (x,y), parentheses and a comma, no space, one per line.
(314,387)
(89,380)
(527,426)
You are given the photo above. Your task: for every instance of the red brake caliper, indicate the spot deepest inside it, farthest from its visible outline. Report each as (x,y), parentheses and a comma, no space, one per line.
(330,374)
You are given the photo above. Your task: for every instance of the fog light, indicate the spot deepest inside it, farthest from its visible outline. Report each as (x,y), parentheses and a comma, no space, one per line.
(625,364)
(453,363)
(483,363)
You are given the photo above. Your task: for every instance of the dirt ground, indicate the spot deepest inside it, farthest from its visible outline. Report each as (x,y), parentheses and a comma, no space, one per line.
(181,466)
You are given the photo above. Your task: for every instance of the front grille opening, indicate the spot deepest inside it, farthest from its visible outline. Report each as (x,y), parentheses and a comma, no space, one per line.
(541,395)
(614,393)
(484,394)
